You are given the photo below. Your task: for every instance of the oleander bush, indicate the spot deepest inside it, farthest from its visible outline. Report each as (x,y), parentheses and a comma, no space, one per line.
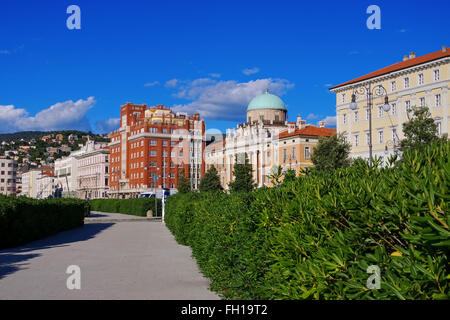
(137,207)
(24,219)
(314,237)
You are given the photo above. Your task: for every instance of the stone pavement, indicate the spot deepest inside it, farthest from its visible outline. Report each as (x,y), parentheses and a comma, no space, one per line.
(123,259)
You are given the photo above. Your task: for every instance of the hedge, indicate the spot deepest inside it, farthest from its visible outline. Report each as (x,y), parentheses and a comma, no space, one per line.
(24,219)
(137,207)
(315,237)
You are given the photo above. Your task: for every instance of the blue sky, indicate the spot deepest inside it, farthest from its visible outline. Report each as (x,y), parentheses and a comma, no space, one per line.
(206,56)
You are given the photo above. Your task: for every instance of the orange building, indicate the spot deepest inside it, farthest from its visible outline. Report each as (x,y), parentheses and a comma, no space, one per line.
(151,147)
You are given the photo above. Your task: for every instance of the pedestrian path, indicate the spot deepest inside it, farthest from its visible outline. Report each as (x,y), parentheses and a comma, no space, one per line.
(122,259)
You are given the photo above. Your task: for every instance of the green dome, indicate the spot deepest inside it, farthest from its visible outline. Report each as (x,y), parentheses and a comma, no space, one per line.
(266,101)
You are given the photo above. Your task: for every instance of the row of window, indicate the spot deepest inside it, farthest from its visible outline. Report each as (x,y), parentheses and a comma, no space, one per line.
(381,135)
(10,165)
(9,173)
(406,82)
(293,154)
(393,111)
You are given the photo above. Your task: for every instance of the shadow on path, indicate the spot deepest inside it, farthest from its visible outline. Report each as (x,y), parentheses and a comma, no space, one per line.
(12,260)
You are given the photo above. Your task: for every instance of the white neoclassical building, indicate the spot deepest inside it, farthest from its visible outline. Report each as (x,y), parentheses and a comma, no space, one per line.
(93,171)
(268,140)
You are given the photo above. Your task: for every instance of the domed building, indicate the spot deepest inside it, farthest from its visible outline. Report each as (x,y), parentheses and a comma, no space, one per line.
(267,108)
(267,139)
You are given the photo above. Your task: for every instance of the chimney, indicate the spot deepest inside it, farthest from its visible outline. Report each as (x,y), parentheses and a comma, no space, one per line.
(412,55)
(444,49)
(299,121)
(405,57)
(322,124)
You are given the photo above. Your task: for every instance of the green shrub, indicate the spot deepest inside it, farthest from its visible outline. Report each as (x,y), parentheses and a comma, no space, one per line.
(315,237)
(137,207)
(23,219)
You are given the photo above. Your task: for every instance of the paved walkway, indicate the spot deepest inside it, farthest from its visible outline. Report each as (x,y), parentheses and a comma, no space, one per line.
(118,260)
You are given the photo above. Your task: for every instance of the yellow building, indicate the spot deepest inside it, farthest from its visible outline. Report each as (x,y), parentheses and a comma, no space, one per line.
(415,81)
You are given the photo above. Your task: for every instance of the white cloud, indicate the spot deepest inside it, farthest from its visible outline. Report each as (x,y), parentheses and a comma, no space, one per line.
(328,85)
(60,116)
(402,30)
(215,75)
(330,121)
(108,125)
(151,84)
(312,116)
(172,83)
(225,100)
(5,52)
(250,71)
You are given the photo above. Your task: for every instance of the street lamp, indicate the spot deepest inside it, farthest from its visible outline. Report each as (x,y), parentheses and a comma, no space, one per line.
(378,91)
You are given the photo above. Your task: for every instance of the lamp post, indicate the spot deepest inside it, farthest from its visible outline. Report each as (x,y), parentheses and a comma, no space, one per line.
(378,91)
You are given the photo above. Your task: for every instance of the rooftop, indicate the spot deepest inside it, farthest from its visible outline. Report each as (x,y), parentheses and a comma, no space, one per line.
(406,63)
(309,131)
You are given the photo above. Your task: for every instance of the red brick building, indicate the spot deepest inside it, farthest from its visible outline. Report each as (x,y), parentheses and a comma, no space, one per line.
(150,148)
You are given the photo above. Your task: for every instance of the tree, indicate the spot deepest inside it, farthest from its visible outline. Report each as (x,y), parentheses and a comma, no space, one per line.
(276,175)
(184,184)
(420,130)
(331,153)
(243,179)
(211,181)
(289,176)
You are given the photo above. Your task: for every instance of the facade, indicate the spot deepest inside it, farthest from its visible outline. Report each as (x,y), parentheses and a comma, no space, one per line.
(66,172)
(8,176)
(46,184)
(93,171)
(415,81)
(267,139)
(151,147)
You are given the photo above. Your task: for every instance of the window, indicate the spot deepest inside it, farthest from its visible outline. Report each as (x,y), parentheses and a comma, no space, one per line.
(436,75)
(380,111)
(172,143)
(307,153)
(165,143)
(356,116)
(343,98)
(368,138)
(367,113)
(393,86)
(153,153)
(249,119)
(164,131)
(180,153)
(407,106)
(380,136)
(344,118)
(393,109)
(268,156)
(277,118)
(420,79)
(293,153)
(439,128)
(422,101)
(437,100)
(142,142)
(406,82)
(284,155)
(153,142)
(356,140)
(394,134)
